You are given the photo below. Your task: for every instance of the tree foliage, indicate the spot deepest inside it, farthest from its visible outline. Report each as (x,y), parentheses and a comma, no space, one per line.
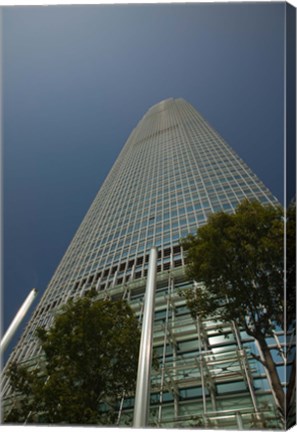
(91,356)
(238,261)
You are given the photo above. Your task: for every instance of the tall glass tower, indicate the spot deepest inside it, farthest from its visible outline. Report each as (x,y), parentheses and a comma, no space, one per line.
(173,171)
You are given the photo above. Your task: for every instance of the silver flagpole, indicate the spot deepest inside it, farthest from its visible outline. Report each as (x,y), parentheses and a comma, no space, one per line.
(142,394)
(17,320)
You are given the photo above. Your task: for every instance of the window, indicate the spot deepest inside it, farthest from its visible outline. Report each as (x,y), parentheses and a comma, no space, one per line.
(232,387)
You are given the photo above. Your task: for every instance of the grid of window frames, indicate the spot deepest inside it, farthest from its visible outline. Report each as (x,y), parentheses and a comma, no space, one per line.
(172,173)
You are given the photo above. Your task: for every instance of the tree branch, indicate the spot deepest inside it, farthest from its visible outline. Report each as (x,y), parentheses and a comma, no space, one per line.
(258,358)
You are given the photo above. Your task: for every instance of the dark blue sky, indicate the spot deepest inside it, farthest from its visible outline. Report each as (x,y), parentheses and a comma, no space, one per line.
(77,79)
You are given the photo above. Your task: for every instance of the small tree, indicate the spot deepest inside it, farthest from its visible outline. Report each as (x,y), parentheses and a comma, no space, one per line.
(91,356)
(239,258)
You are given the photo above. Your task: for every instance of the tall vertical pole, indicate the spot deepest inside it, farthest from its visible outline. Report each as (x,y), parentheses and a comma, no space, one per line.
(17,320)
(142,394)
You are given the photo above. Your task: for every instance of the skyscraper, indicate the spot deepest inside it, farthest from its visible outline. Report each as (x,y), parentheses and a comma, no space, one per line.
(173,171)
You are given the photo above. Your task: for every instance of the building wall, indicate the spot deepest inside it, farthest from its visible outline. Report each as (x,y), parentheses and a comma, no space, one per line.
(173,171)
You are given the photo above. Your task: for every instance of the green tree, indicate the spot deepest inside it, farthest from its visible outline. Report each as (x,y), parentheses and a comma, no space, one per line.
(90,359)
(239,261)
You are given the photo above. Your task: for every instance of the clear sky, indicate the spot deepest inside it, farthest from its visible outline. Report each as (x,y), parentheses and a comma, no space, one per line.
(77,79)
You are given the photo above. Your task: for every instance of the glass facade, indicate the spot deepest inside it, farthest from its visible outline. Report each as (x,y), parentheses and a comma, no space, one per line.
(173,171)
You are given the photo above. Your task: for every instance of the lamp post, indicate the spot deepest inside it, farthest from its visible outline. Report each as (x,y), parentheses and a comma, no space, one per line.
(17,320)
(142,394)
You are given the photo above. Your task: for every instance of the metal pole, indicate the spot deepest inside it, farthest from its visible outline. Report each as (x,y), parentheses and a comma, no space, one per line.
(17,320)
(243,361)
(142,394)
(239,420)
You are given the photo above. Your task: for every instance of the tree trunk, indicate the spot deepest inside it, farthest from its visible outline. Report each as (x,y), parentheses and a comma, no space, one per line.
(277,387)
